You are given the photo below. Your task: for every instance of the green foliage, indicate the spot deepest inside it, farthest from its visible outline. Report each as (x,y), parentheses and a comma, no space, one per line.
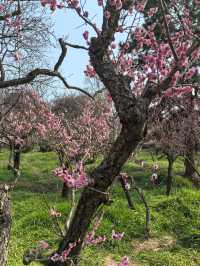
(176,216)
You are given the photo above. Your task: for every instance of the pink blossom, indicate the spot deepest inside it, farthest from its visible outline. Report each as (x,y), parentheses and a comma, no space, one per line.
(124,261)
(107,14)
(117,236)
(191,72)
(113,45)
(2,8)
(90,72)
(86,35)
(75,178)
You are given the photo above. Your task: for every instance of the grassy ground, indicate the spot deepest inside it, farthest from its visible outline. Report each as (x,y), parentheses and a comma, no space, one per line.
(175,220)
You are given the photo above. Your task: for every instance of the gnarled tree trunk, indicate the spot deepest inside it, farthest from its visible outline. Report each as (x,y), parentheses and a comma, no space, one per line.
(133,115)
(93,197)
(5,224)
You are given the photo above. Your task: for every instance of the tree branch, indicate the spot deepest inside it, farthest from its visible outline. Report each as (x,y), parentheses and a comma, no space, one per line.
(76,46)
(62,56)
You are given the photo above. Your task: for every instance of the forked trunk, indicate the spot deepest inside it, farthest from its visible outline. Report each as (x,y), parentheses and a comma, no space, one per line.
(5,224)
(95,195)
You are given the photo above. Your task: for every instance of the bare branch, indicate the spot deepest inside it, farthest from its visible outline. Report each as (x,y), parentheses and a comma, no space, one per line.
(73,87)
(62,56)
(76,46)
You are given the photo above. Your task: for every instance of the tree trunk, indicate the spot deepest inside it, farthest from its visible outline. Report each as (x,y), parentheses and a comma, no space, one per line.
(127,193)
(95,195)
(10,166)
(16,160)
(5,224)
(66,192)
(190,165)
(171,160)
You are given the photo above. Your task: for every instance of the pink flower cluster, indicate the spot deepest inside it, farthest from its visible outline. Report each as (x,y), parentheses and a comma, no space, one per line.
(51,3)
(91,240)
(124,261)
(75,178)
(64,255)
(90,72)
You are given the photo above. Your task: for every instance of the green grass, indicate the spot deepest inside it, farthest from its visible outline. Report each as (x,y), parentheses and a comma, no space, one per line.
(176,216)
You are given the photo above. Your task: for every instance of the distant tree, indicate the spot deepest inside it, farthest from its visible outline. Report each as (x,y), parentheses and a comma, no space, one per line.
(174,126)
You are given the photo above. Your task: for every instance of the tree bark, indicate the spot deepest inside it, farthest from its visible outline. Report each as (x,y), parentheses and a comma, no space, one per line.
(5,224)
(190,165)
(66,192)
(16,159)
(171,160)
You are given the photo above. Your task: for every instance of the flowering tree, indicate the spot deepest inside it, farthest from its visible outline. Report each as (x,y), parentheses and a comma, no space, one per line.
(174,127)
(133,77)
(21,124)
(23,36)
(132,85)
(89,135)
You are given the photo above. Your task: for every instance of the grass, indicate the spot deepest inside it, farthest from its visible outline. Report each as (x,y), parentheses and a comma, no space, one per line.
(175,220)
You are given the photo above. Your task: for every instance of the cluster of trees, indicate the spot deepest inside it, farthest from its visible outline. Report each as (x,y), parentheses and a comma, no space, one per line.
(146,55)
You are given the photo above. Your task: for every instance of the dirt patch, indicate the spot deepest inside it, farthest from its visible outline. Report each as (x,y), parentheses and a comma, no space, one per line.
(154,244)
(110,262)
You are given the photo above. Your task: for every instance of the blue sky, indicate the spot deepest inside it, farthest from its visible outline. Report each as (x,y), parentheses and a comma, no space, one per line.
(68,24)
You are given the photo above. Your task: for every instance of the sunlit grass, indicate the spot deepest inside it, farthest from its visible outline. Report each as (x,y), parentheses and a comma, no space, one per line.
(177,216)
